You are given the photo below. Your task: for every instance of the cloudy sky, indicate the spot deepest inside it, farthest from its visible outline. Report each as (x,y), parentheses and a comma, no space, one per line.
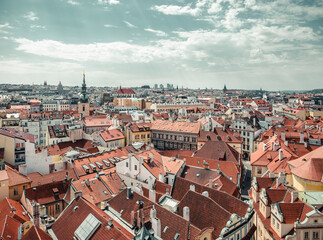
(248,44)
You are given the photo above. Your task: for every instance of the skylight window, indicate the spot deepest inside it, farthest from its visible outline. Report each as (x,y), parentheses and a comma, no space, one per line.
(87,228)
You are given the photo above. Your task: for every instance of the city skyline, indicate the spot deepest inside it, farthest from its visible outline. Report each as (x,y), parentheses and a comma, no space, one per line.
(198,44)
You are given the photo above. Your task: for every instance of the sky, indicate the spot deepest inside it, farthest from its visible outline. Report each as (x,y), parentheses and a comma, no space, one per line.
(245,44)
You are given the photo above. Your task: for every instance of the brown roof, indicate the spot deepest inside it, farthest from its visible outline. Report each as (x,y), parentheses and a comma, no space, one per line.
(39,179)
(175,223)
(264,182)
(227,201)
(200,208)
(293,211)
(75,214)
(219,135)
(35,233)
(139,127)
(275,195)
(218,150)
(45,194)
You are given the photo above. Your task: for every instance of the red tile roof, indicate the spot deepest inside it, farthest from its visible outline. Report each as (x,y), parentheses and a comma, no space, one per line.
(15,178)
(64,147)
(293,211)
(139,127)
(75,214)
(35,233)
(182,127)
(111,135)
(227,201)
(9,228)
(9,207)
(10,132)
(38,179)
(218,150)
(97,121)
(125,91)
(219,135)
(174,222)
(200,208)
(44,194)
(309,166)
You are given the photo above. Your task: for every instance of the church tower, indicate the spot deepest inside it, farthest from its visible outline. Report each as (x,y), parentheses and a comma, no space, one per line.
(225,88)
(84,105)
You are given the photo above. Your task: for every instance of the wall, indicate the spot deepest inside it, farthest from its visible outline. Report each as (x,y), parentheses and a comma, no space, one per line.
(4,188)
(8,144)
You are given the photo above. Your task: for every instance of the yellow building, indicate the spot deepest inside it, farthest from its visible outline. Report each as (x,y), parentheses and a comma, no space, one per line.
(138,132)
(12,184)
(307,171)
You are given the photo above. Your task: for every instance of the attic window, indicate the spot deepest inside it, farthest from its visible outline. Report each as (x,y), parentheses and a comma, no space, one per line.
(176,236)
(165,229)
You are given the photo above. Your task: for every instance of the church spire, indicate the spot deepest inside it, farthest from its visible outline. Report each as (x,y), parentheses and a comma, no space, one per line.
(83,94)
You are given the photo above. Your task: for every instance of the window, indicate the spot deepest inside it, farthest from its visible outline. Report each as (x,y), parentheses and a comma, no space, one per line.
(15,191)
(238,236)
(127,164)
(306,235)
(277,226)
(148,136)
(57,207)
(315,235)
(136,167)
(258,170)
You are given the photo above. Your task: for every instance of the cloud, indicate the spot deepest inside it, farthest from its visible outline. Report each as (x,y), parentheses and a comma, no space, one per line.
(37,26)
(31,16)
(157,32)
(108,2)
(5,26)
(109,26)
(72,2)
(176,10)
(129,24)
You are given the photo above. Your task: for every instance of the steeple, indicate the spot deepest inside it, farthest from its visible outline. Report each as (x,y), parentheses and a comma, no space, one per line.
(83,93)
(225,88)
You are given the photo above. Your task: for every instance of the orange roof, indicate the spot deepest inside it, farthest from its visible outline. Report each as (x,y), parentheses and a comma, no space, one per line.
(111,135)
(15,178)
(94,121)
(309,166)
(186,127)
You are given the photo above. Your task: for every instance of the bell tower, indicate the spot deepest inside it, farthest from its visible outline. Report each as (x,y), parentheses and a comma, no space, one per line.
(84,105)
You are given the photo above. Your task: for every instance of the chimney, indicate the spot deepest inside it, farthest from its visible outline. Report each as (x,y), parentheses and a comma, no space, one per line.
(205,164)
(161,177)
(301,137)
(23,169)
(186,213)
(133,218)
(286,143)
(151,156)
(205,193)
(129,193)
(283,135)
(153,212)
(66,176)
(264,147)
(36,217)
(280,154)
(273,146)
(152,195)
(192,187)
(305,144)
(210,182)
(150,183)
(77,194)
(110,223)
(254,121)
(156,226)
(294,196)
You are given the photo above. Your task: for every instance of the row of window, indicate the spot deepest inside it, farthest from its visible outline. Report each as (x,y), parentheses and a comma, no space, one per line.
(174,137)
